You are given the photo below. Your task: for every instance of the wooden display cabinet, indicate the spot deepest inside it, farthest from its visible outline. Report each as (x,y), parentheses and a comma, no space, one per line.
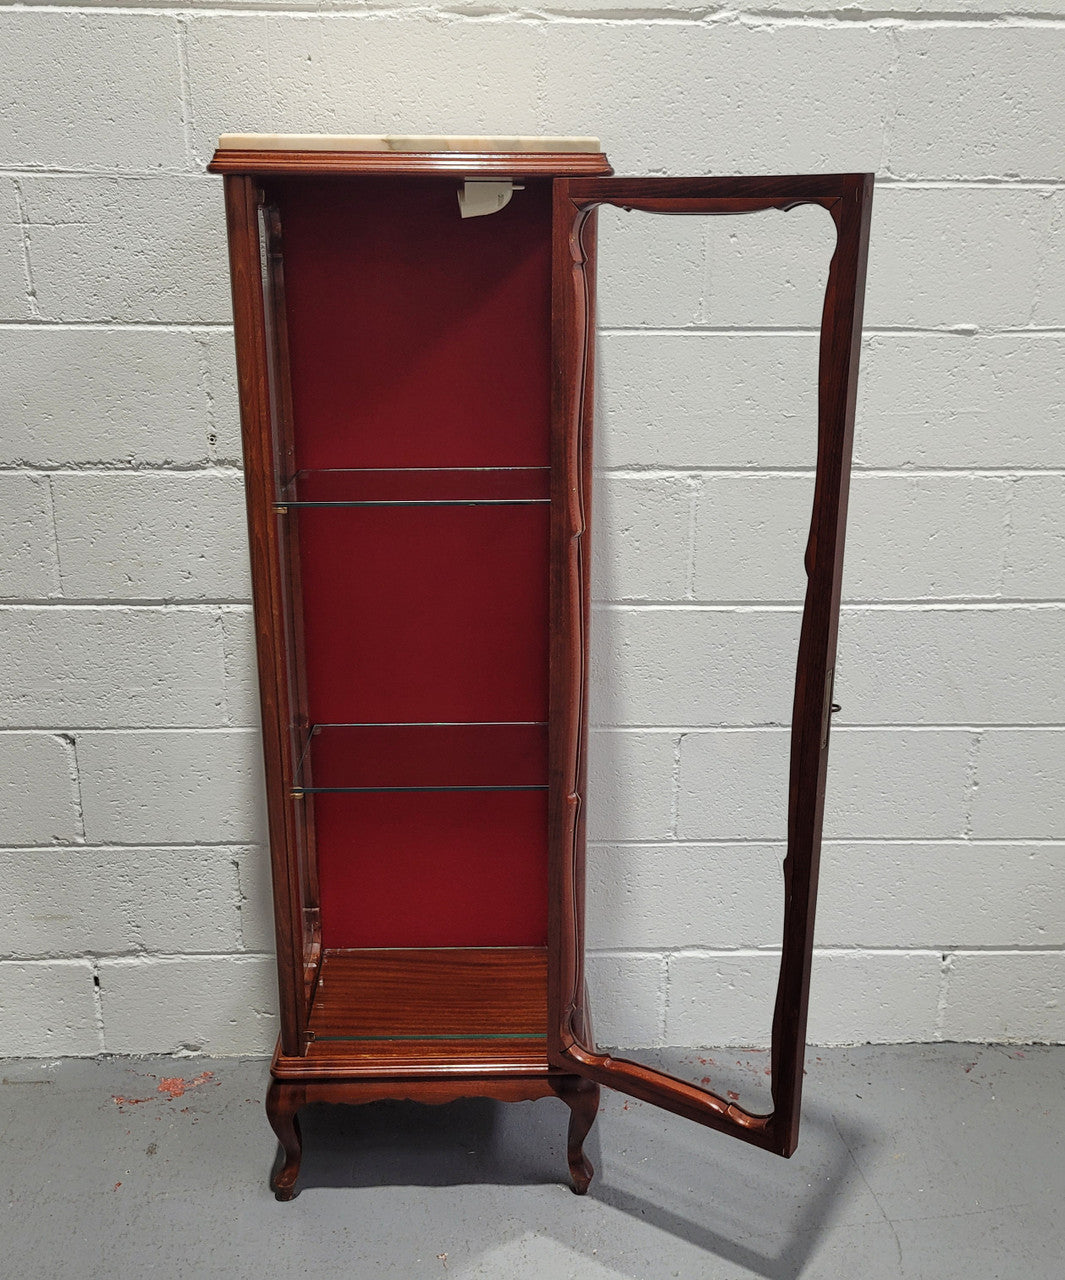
(416,399)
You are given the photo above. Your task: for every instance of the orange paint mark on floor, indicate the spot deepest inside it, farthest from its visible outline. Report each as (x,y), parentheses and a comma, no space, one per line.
(176,1086)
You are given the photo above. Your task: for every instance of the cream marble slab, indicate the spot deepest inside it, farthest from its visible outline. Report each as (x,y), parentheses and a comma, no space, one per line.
(430,142)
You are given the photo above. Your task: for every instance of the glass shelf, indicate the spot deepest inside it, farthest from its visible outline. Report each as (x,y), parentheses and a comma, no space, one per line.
(417,487)
(500,756)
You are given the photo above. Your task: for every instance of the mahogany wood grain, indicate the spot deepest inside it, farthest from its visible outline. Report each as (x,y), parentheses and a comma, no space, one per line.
(582,1098)
(848,199)
(436,1024)
(584,193)
(426,993)
(268,564)
(841,336)
(285,1098)
(279,374)
(435,1027)
(480,164)
(282,1103)
(414,1060)
(572,405)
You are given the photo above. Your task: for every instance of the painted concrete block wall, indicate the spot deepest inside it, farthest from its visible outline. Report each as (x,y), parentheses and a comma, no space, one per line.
(135,916)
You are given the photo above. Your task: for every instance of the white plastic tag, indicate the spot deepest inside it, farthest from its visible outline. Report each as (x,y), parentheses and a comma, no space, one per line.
(478,197)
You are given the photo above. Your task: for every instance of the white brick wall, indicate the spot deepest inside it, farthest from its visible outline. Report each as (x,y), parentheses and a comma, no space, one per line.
(136,911)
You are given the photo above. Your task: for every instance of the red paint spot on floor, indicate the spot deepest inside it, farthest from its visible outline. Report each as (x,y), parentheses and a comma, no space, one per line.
(176,1086)
(733,1095)
(131,1102)
(705,1080)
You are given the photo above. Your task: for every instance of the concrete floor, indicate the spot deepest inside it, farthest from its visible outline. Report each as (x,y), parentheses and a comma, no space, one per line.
(923,1161)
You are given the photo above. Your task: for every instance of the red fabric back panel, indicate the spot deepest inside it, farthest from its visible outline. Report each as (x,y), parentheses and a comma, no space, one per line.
(425,613)
(419,339)
(424,336)
(433,869)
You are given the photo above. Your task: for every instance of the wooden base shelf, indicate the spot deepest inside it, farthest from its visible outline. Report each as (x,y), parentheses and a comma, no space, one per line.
(429,1025)
(426,1011)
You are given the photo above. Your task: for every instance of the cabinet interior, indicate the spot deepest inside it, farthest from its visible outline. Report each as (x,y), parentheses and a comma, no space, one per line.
(412,480)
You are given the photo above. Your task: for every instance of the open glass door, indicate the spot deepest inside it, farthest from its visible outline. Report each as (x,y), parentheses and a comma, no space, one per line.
(847,199)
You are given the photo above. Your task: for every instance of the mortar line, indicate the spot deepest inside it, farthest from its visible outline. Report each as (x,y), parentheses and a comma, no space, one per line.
(576,15)
(139,729)
(829,951)
(831,19)
(664,989)
(110,604)
(674,787)
(946,967)
(624,471)
(224,470)
(1046,234)
(854,604)
(687,730)
(1007,532)
(872,726)
(55,534)
(235,864)
(27,258)
(887,137)
(667,471)
(693,330)
(927,605)
(778,844)
(98,1003)
(175,957)
(695,498)
(972,780)
(71,751)
(223,653)
(203,362)
(105,846)
(185,91)
(136,955)
(118,326)
(771,844)
(690,330)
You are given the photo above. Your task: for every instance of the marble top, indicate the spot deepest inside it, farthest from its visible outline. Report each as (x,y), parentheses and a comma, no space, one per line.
(430,142)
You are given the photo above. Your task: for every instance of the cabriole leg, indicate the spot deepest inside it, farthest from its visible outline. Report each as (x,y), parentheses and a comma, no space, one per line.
(282,1102)
(582,1098)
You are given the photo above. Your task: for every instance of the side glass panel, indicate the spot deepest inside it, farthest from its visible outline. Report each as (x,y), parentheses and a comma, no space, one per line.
(705,454)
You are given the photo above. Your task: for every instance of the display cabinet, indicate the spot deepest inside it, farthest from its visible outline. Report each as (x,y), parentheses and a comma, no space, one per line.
(415,323)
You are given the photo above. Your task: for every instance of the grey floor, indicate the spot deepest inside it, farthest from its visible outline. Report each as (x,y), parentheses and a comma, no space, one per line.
(915,1161)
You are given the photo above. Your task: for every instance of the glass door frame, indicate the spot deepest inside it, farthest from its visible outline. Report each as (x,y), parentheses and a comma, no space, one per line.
(848,200)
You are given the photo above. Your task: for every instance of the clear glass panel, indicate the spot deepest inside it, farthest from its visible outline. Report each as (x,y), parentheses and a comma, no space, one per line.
(412,486)
(424,757)
(706,446)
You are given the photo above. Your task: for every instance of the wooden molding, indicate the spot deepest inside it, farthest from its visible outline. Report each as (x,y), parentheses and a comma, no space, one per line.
(471,164)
